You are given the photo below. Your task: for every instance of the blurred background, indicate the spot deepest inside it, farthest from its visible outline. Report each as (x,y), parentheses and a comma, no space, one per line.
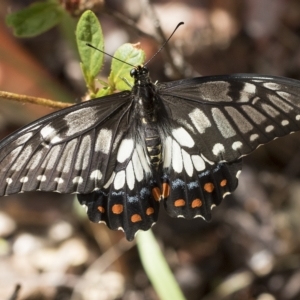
(251,248)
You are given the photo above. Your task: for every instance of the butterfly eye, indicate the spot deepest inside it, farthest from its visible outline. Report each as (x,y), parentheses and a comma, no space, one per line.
(133,73)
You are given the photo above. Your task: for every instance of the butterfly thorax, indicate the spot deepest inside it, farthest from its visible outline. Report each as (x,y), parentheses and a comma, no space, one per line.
(144,94)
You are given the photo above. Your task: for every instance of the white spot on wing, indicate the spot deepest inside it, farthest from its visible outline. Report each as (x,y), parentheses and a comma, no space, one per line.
(96,174)
(269,128)
(110,180)
(167,152)
(125,150)
(272,86)
(80,120)
(143,158)
(9,180)
(24,138)
(117,140)
(270,110)
(199,216)
(253,137)
(42,178)
(24,179)
(138,169)
(58,180)
(22,158)
(36,159)
(83,154)
(176,158)
(183,137)
(77,179)
(298,117)
(218,148)
(237,145)
(51,158)
(280,104)
(55,139)
(214,91)
(247,92)
(119,180)
(198,162)
(187,162)
(12,155)
(289,97)
(103,141)
(67,157)
(222,123)
(199,120)
(130,179)
(253,114)
(241,122)
(48,133)
(285,122)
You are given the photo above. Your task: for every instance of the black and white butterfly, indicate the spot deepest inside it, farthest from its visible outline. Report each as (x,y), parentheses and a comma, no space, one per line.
(180,142)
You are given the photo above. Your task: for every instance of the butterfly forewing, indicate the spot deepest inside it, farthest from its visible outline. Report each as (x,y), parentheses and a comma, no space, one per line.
(69,151)
(230,116)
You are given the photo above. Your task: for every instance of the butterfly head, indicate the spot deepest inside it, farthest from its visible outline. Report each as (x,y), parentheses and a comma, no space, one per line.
(140,75)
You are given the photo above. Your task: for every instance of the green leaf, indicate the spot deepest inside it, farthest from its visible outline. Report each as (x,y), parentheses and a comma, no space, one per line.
(119,70)
(103,92)
(35,19)
(156,267)
(89,31)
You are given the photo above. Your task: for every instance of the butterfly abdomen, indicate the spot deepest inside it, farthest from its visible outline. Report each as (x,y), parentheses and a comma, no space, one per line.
(147,115)
(153,144)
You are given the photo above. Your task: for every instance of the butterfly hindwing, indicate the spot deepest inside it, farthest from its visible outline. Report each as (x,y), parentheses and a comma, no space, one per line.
(127,200)
(192,185)
(230,116)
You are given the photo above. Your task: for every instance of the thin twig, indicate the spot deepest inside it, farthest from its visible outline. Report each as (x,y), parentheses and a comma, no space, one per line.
(160,36)
(15,294)
(102,264)
(33,100)
(128,22)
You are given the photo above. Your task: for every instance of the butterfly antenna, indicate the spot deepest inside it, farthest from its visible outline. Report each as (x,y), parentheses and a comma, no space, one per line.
(90,45)
(163,45)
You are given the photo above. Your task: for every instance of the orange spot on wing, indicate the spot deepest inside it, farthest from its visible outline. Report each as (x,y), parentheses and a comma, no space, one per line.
(101,209)
(149,211)
(136,218)
(179,203)
(165,190)
(209,187)
(117,209)
(223,182)
(196,203)
(156,193)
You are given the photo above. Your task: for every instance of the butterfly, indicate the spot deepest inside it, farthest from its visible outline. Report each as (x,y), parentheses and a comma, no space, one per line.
(179,142)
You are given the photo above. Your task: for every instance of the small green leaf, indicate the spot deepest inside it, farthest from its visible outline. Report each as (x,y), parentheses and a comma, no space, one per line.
(103,92)
(35,19)
(119,70)
(89,31)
